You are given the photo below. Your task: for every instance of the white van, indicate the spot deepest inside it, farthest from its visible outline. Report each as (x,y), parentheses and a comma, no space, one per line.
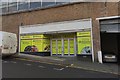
(8,43)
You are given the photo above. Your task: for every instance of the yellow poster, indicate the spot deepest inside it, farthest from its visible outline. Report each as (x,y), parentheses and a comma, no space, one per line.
(26,37)
(39,41)
(65,46)
(71,46)
(37,36)
(25,45)
(59,43)
(38,44)
(54,47)
(86,33)
(45,45)
(84,43)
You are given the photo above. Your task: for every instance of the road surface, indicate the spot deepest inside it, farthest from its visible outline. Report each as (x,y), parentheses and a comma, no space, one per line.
(17,68)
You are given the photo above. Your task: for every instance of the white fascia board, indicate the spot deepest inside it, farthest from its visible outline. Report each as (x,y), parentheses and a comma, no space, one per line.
(56,27)
(110,17)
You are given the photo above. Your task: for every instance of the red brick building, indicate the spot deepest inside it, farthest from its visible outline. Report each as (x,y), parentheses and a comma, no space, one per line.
(99,13)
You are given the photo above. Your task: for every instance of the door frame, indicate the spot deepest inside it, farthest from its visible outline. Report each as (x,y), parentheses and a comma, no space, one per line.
(56,40)
(62,47)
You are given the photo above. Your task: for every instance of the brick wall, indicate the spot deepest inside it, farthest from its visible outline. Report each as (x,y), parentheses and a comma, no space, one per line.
(11,22)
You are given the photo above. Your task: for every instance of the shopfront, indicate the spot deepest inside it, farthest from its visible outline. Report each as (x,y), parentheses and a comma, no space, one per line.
(68,38)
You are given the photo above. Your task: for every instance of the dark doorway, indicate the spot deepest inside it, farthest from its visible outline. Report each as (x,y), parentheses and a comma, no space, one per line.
(110,43)
(118,37)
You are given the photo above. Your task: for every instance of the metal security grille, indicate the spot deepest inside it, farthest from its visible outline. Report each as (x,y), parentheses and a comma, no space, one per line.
(110,26)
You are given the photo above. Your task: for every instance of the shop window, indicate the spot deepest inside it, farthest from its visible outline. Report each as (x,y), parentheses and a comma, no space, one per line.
(12,7)
(23,6)
(4,10)
(46,3)
(12,1)
(4,7)
(58,2)
(75,1)
(34,5)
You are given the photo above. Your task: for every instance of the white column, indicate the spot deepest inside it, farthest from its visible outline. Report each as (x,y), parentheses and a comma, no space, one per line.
(75,46)
(62,47)
(68,47)
(51,46)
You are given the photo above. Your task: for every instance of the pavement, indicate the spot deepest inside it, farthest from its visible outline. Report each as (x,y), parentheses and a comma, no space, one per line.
(73,62)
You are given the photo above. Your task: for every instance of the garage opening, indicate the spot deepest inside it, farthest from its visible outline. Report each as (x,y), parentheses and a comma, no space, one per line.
(110,40)
(109,43)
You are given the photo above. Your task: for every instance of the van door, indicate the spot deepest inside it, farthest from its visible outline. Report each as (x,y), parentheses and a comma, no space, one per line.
(5,44)
(13,44)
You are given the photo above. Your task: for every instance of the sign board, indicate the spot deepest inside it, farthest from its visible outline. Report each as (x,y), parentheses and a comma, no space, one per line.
(41,42)
(26,37)
(84,42)
(57,27)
